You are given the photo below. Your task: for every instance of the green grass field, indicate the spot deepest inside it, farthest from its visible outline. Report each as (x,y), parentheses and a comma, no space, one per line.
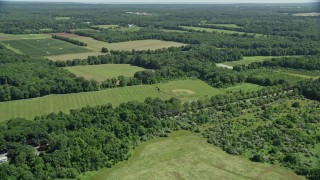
(226,25)
(6,37)
(119,28)
(219,30)
(307,14)
(186,90)
(62,18)
(187,155)
(245,61)
(96,46)
(44,47)
(104,71)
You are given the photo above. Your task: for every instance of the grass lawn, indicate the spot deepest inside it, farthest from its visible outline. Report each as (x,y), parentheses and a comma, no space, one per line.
(226,25)
(96,46)
(246,60)
(6,37)
(119,28)
(218,30)
(186,90)
(187,155)
(307,14)
(44,46)
(104,71)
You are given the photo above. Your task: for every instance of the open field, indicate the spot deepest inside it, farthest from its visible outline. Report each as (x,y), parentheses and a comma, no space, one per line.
(44,47)
(245,61)
(185,90)
(219,30)
(96,46)
(226,25)
(104,71)
(119,28)
(62,18)
(6,37)
(307,14)
(187,155)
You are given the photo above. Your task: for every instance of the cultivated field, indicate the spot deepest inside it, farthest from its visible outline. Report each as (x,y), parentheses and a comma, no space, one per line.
(96,46)
(185,90)
(226,25)
(245,61)
(6,37)
(44,46)
(187,155)
(219,30)
(307,14)
(119,28)
(104,71)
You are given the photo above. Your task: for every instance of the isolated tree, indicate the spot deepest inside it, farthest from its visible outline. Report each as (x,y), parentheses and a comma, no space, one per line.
(104,50)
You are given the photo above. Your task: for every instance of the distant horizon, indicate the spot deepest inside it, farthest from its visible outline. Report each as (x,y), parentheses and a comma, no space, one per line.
(168,1)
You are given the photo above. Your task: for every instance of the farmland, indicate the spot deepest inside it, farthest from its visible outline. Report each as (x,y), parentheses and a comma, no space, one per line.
(44,47)
(226,25)
(245,61)
(307,14)
(119,28)
(186,155)
(218,30)
(183,89)
(96,46)
(105,71)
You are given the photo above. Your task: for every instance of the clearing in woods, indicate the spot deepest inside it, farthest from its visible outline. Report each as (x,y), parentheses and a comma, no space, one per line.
(307,14)
(44,46)
(29,108)
(104,71)
(96,46)
(219,30)
(187,155)
(245,61)
(119,28)
(226,25)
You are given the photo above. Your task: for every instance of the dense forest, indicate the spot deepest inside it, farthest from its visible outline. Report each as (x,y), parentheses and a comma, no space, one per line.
(277,124)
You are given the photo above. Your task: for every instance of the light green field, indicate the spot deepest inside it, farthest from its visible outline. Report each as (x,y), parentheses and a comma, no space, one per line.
(186,90)
(6,37)
(187,155)
(226,25)
(171,30)
(61,18)
(245,61)
(104,71)
(119,28)
(218,30)
(96,46)
(307,14)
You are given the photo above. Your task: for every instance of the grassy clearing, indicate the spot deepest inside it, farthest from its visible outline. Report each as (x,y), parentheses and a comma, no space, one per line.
(187,155)
(119,28)
(44,47)
(62,18)
(186,90)
(307,14)
(6,37)
(219,30)
(247,60)
(171,30)
(104,71)
(96,46)
(301,73)
(226,25)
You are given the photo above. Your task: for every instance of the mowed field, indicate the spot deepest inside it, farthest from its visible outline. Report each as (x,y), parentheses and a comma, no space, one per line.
(307,14)
(187,155)
(44,46)
(219,30)
(104,71)
(186,90)
(96,46)
(245,61)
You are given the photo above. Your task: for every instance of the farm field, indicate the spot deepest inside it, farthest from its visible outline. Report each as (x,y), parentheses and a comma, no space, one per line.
(245,61)
(96,46)
(44,47)
(6,37)
(119,28)
(307,14)
(226,25)
(186,90)
(187,155)
(219,30)
(104,71)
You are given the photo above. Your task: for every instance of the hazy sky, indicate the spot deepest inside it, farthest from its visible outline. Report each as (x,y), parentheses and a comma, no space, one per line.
(176,1)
